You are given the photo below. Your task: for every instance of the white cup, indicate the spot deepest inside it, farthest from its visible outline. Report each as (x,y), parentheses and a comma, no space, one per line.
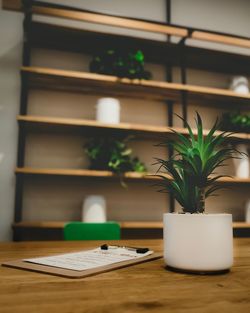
(239,84)
(242,164)
(247,211)
(94,209)
(108,110)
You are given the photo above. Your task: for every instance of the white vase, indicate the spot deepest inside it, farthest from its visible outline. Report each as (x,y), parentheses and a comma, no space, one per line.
(247,211)
(198,242)
(239,84)
(94,209)
(108,110)
(242,164)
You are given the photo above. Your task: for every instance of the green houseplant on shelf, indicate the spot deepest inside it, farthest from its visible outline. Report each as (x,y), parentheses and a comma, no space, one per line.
(238,122)
(235,121)
(112,154)
(194,240)
(120,62)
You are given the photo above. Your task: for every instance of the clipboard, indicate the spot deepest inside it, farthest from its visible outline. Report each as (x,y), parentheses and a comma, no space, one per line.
(67,273)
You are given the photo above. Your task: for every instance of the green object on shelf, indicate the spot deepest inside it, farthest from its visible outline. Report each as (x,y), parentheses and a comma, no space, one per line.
(235,121)
(112,154)
(92,231)
(120,62)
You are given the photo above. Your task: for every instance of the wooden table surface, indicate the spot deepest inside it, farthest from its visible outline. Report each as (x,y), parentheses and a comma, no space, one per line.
(147,287)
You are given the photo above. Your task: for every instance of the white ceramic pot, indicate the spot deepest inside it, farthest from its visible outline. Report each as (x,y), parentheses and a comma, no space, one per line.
(239,84)
(242,164)
(198,242)
(94,209)
(247,207)
(108,110)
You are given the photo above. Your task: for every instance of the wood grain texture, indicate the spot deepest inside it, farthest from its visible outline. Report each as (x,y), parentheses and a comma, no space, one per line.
(140,130)
(142,25)
(108,174)
(91,82)
(122,22)
(72,39)
(60,224)
(83,173)
(20,264)
(124,224)
(219,38)
(145,287)
(125,22)
(96,18)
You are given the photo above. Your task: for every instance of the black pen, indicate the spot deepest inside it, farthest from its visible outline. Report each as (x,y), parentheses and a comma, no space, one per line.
(135,249)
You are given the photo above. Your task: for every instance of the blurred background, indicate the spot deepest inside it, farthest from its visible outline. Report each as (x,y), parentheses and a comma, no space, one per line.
(82,81)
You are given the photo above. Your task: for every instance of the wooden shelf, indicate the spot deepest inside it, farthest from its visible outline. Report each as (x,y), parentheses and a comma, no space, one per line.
(124,225)
(60,224)
(220,38)
(138,225)
(65,12)
(234,180)
(108,174)
(98,18)
(40,225)
(85,126)
(49,36)
(241,225)
(82,173)
(104,84)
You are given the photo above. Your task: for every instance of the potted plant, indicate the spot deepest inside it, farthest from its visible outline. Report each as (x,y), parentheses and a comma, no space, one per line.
(235,121)
(112,154)
(194,240)
(120,62)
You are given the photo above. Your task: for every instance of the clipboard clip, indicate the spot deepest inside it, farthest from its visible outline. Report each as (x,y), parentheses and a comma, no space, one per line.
(135,249)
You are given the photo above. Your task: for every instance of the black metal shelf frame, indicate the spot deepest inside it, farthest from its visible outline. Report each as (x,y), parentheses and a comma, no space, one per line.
(26,60)
(170,103)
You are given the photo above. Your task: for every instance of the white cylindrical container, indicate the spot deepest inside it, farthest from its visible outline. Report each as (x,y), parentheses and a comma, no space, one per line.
(108,110)
(239,84)
(242,164)
(198,242)
(247,208)
(94,209)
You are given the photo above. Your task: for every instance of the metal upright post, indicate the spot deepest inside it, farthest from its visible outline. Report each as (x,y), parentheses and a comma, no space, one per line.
(183,80)
(169,73)
(184,94)
(23,111)
(170,103)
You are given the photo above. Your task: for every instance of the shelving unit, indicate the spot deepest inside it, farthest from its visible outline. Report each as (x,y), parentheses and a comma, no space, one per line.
(127,224)
(84,126)
(70,39)
(149,89)
(83,173)
(107,174)
(239,229)
(60,11)
(168,54)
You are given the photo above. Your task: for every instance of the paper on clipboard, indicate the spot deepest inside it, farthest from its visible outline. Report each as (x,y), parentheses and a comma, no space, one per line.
(90,259)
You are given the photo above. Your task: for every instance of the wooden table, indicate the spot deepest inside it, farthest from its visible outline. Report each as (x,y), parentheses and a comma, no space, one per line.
(146,287)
